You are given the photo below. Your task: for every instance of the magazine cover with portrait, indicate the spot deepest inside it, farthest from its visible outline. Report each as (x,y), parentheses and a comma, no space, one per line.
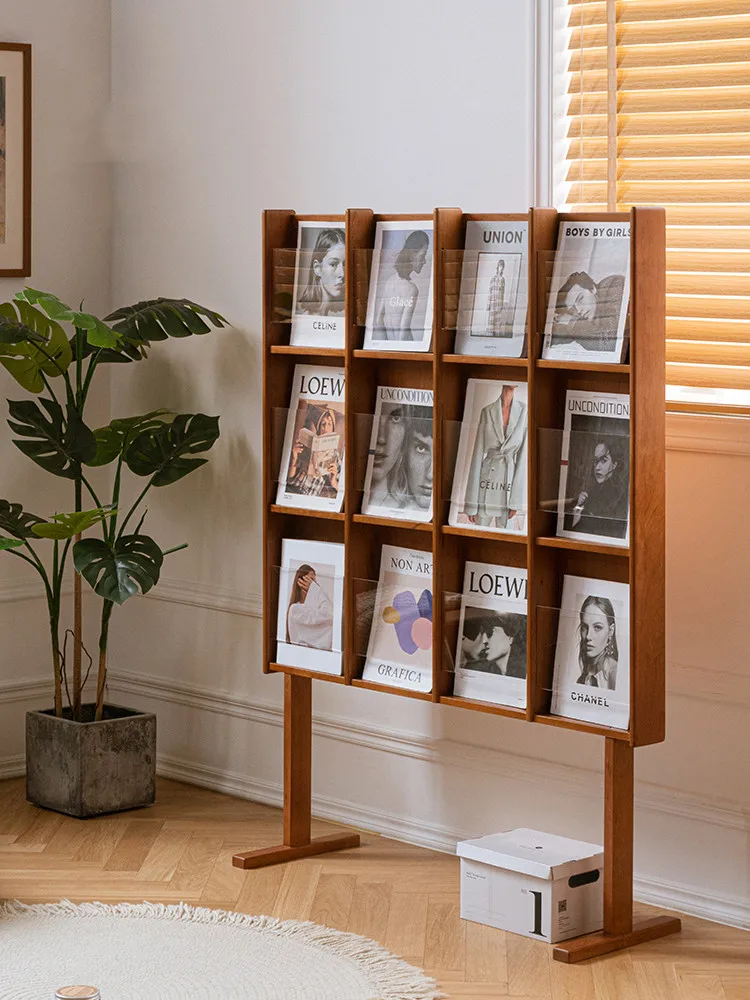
(589,296)
(319,283)
(594,495)
(592,655)
(493,300)
(491,649)
(398,481)
(311,594)
(490,481)
(399,651)
(399,301)
(311,474)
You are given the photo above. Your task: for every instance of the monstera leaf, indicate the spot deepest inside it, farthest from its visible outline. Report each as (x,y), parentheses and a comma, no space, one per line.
(16,521)
(159,319)
(115,438)
(98,334)
(32,346)
(62,526)
(9,543)
(165,453)
(117,571)
(56,441)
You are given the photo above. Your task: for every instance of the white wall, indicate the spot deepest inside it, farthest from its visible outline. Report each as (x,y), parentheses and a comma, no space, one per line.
(222,110)
(71,251)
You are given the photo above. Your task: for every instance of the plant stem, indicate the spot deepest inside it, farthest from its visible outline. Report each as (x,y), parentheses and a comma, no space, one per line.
(56,666)
(102,675)
(90,488)
(130,513)
(89,375)
(77,619)
(177,548)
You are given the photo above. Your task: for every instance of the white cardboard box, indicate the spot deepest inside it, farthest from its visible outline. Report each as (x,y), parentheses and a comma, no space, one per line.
(532,883)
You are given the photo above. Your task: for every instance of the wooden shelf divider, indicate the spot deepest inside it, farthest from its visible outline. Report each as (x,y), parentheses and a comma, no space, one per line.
(546,557)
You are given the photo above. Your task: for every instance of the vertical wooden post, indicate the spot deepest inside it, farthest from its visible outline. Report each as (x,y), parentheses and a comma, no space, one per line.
(297,759)
(618,837)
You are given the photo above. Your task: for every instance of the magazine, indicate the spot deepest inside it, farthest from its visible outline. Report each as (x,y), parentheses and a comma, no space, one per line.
(311,474)
(592,655)
(398,480)
(493,299)
(311,594)
(590,293)
(491,648)
(399,302)
(490,481)
(319,284)
(399,652)
(594,493)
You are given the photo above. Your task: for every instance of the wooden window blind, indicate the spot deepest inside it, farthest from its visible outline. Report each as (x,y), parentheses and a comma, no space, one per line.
(659,114)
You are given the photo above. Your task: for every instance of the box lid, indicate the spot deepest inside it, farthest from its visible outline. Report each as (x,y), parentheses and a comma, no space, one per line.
(543,855)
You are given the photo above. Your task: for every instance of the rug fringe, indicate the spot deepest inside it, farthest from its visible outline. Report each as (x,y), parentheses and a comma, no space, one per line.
(394,978)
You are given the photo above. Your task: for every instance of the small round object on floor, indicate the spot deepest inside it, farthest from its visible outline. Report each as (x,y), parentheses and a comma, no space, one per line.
(78,992)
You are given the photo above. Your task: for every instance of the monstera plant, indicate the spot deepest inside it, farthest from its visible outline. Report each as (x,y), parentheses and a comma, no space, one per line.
(102,532)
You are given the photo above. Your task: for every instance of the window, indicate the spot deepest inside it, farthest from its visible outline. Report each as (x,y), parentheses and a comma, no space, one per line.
(658,113)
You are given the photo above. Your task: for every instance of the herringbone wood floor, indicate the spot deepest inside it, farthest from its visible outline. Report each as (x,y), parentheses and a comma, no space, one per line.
(402,896)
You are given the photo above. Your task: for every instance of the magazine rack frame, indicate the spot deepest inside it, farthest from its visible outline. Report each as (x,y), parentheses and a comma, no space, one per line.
(546,557)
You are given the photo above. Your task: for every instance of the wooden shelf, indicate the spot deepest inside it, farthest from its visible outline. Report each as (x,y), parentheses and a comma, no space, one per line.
(308,352)
(547,559)
(326,515)
(574,545)
(491,536)
(388,689)
(489,707)
(476,359)
(577,726)
(318,675)
(395,355)
(392,522)
(582,366)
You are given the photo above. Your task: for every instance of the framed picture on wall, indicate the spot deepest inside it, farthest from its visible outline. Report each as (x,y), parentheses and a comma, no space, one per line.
(15,160)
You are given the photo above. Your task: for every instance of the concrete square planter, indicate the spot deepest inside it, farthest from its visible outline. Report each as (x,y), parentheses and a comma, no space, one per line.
(87,768)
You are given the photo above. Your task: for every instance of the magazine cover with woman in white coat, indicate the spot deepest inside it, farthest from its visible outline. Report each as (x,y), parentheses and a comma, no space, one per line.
(490,484)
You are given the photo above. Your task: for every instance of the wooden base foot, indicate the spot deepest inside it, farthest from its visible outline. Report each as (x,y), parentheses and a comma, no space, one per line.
(593,945)
(278,855)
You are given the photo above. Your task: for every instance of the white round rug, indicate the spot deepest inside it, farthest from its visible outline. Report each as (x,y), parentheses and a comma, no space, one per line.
(154,952)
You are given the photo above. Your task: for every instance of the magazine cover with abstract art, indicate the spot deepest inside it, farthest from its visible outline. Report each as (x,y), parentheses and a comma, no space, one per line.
(399,302)
(592,654)
(489,485)
(311,474)
(491,649)
(589,297)
(398,481)
(493,300)
(594,494)
(319,273)
(399,652)
(311,594)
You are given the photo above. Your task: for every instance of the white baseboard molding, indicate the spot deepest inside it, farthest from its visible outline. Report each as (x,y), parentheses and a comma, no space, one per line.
(573,781)
(12,767)
(729,910)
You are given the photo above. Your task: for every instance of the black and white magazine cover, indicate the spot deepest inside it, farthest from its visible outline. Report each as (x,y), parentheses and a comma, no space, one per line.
(311,474)
(490,481)
(319,282)
(398,481)
(592,656)
(491,649)
(493,299)
(594,494)
(399,302)
(399,652)
(590,293)
(311,594)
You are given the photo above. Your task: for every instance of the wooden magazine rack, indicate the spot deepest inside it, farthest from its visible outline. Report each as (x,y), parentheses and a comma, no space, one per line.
(547,557)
